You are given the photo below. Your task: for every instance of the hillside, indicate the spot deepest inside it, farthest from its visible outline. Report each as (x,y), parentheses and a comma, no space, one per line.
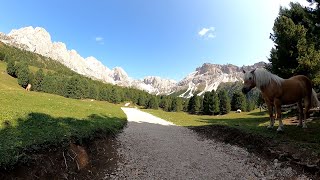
(31,120)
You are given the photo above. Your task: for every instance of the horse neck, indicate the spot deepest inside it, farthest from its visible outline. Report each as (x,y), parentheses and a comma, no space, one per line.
(269,88)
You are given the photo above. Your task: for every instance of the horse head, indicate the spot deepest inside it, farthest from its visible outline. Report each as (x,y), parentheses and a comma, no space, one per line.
(249,81)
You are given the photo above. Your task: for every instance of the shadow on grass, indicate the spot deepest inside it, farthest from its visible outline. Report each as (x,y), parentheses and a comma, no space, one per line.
(258,125)
(295,145)
(38,131)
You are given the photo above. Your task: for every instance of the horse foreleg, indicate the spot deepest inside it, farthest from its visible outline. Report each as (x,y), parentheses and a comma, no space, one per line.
(270,109)
(277,104)
(300,108)
(307,106)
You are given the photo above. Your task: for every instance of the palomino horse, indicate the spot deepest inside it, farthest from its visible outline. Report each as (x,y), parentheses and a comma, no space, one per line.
(277,91)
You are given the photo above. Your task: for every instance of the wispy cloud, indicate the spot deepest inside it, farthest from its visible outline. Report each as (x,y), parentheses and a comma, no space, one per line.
(207,33)
(99,40)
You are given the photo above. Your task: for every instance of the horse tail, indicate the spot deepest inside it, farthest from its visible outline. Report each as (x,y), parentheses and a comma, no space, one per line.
(314,100)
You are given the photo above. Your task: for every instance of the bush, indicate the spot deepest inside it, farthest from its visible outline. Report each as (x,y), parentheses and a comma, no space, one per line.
(23,74)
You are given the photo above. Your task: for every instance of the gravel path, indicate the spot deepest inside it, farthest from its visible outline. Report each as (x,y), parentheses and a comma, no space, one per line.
(152,148)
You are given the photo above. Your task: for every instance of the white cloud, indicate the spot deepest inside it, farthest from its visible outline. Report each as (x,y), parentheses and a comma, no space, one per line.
(99,40)
(207,32)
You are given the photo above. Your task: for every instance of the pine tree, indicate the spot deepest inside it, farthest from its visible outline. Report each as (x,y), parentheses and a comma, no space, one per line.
(195,105)
(142,100)
(165,103)
(47,83)
(208,103)
(23,74)
(84,85)
(297,46)
(38,80)
(153,103)
(191,103)
(73,88)
(215,109)
(59,85)
(225,106)
(103,93)
(115,95)
(238,101)
(2,56)
(250,105)
(93,92)
(185,104)
(176,104)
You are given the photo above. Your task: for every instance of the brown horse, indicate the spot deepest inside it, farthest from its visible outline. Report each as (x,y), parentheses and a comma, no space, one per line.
(277,91)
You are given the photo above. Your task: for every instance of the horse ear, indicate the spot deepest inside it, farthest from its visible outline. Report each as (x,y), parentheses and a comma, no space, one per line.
(253,71)
(243,71)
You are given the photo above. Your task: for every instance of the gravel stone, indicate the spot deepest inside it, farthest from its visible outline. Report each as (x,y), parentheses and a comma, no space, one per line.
(152,148)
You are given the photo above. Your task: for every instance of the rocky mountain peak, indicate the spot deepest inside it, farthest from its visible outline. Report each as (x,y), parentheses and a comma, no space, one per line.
(209,76)
(119,74)
(35,39)
(205,78)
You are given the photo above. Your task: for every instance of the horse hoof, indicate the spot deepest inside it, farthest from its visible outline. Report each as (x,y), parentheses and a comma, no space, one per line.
(279,130)
(304,127)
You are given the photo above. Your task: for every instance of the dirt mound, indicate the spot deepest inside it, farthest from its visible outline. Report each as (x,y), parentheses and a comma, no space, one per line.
(92,160)
(301,159)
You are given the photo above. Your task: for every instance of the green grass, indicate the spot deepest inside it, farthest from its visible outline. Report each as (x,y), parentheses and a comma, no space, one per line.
(31,120)
(251,122)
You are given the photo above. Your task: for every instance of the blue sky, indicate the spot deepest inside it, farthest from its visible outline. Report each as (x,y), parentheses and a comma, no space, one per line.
(166,38)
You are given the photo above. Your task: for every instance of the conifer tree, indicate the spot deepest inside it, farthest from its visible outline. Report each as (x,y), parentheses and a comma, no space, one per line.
(23,74)
(225,106)
(208,103)
(11,69)
(153,103)
(238,101)
(38,80)
(176,104)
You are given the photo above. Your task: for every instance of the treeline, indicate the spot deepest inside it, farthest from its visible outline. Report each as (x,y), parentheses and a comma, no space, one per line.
(75,86)
(53,77)
(214,103)
(81,87)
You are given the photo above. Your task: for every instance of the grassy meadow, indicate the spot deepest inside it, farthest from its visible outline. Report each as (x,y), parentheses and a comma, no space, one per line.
(32,120)
(254,122)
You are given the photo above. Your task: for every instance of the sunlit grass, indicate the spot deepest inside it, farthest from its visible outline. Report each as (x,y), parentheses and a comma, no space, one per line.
(33,120)
(254,122)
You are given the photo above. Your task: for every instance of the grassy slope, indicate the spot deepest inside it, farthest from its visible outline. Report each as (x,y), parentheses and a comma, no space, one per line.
(29,120)
(253,122)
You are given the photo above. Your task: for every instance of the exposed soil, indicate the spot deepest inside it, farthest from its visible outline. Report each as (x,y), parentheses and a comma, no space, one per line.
(94,160)
(302,160)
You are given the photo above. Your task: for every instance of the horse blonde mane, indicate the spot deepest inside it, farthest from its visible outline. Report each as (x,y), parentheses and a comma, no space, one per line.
(264,77)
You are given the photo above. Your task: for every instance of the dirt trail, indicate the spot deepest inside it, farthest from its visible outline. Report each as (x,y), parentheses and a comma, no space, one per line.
(152,148)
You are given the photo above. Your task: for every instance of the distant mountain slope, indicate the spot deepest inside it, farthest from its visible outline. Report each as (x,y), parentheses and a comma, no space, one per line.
(205,78)
(209,76)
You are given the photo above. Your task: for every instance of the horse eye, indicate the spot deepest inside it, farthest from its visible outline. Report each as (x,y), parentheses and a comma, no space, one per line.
(250,78)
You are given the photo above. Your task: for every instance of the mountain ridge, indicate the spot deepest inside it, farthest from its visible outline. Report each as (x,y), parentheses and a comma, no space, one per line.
(204,78)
